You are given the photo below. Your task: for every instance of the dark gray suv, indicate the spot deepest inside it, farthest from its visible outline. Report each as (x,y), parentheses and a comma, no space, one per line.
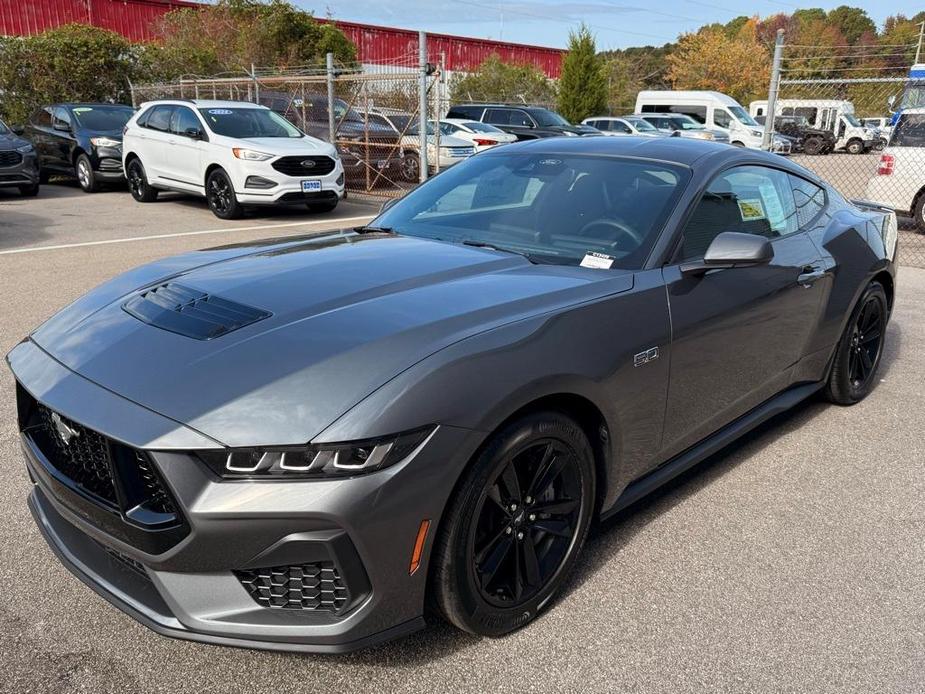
(18,164)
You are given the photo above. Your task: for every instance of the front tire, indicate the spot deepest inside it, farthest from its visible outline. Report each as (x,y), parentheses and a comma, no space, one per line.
(515,526)
(86,177)
(221,197)
(138,184)
(858,354)
(855,147)
(411,167)
(813,146)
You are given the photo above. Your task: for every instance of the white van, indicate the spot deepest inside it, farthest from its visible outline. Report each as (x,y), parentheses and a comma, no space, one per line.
(835,115)
(712,109)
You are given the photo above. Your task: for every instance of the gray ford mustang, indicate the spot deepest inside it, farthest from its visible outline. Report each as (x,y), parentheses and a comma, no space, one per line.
(304,443)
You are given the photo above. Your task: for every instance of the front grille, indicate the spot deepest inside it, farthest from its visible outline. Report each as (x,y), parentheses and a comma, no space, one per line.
(10,158)
(157,498)
(80,454)
(309,165)
(296,197)
(318,587)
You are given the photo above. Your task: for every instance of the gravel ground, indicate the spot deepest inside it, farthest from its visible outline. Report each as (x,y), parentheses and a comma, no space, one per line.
(794,561)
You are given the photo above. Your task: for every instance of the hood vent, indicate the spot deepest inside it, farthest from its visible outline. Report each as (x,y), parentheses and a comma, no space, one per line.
(191,312)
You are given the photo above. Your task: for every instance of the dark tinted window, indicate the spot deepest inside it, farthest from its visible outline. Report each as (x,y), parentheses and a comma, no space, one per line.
(61,118)
(160,118)
(102,117)
(747,199)
(808,198)
(498,116)
(184,119)
(721,118)
(474,112)
(698,113)
(909,131)
(42,117)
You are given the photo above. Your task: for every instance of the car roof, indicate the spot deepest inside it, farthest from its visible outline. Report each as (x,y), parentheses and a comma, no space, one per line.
(689,95)
(85,104)
(204,103)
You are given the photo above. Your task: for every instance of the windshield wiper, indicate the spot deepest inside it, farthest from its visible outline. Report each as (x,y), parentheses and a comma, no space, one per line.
(374,230)
(485,244)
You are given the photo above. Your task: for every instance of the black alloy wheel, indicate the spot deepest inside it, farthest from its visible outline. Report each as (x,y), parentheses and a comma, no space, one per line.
(220,196)
(515,526)
(861,348)
(138,182)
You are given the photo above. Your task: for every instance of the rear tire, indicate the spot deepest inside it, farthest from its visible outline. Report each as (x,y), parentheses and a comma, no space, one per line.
(221,197)
(86,177)
(857,357)
(918,212)
(138,184)
(813,146)
(515,526)
(410,166)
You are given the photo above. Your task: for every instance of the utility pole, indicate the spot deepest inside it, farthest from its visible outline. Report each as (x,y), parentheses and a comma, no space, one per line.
(918,48)
(422,104)
(772,92)
(330,80)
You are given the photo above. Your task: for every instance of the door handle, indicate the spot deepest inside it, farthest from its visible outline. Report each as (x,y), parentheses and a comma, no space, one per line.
(811,274)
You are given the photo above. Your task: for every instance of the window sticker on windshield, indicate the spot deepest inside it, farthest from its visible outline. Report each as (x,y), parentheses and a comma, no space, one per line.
(220,111)
(81,109)
(751,210)
(599,261)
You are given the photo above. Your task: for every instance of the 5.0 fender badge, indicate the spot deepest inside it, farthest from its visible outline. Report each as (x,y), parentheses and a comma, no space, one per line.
(645,357)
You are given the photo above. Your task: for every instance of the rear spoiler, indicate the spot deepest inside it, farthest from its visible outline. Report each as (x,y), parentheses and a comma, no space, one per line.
(872,206)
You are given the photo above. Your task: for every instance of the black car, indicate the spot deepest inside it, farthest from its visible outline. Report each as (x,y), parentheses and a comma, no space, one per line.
(82,140)
(804,137)
(18,165)
(526,122)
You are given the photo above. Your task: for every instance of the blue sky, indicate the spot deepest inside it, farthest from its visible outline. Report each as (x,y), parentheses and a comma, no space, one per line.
(616,23)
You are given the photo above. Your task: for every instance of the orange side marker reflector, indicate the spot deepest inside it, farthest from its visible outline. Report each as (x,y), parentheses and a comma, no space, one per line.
(418,547)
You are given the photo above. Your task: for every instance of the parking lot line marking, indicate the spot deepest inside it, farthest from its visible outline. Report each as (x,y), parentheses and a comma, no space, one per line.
(103,242)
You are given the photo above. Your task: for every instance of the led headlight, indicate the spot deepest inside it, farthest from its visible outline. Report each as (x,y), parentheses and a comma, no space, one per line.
(251,155)
(105,142)
(315,461)
(25,149)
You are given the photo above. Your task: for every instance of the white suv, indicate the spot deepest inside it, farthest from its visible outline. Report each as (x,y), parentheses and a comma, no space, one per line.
(233,153)
(900,180)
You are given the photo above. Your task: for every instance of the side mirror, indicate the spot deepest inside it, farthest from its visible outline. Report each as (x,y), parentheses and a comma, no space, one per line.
(676,133)
(18,129)
(731,249)
(61,127)
(193,133)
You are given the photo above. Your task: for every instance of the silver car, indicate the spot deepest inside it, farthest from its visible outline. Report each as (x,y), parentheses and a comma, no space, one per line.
(684,126)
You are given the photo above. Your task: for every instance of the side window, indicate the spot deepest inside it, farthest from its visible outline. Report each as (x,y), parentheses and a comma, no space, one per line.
(448,128)
(909,131)
(61,118)
(721,118)
(809,200)
(620,127)
(498,116)
(698,113)
(599,124)
(183,120)
(160,118)
(522,119)
(42,117)
(747,199)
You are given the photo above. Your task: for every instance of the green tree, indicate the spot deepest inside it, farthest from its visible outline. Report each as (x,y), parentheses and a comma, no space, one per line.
(630,70)
(74,62)
(496,80)
(852,22)
(583,84)
(232,35)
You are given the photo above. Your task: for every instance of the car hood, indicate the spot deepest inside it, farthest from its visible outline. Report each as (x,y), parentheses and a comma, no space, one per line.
(12,141)
(346,313)
(284,145)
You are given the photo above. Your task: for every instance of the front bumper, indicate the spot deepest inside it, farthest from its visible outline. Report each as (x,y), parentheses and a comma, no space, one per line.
(107,164)
(285,189)
(23,173)
(191,586)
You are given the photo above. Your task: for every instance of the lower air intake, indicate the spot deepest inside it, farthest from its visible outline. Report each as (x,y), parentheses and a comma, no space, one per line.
(316,587)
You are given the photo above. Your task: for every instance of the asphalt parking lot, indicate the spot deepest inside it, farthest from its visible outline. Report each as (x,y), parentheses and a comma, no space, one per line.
(792,562)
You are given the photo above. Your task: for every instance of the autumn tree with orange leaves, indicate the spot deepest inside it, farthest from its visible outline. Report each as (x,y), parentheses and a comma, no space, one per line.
(737,65)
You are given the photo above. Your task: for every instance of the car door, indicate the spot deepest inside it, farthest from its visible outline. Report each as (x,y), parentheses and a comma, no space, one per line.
(61,140)
(737,333)
(155,134)
(183,153)
(39,132)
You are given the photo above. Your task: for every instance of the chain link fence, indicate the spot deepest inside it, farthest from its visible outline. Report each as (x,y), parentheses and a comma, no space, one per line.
(370,112)
(856,116)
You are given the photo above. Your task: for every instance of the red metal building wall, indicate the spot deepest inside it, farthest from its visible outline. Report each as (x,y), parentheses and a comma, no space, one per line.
(134,19)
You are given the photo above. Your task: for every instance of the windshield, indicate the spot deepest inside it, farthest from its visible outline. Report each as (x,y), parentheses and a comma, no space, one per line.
(248,122)
(852,119)
(742,115)
(3,129)
(551,208)
(548,118)
(102,117)
(641,125)
(686,123)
